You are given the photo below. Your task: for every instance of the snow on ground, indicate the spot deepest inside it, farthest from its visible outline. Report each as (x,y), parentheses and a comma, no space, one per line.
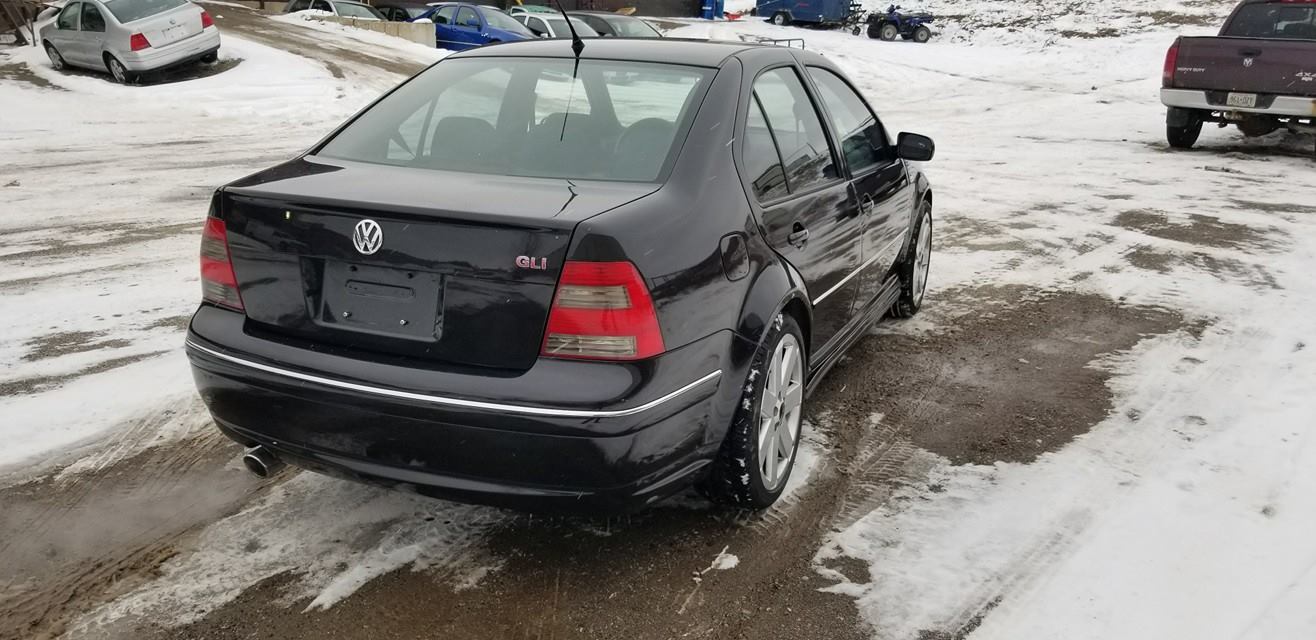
(107,187)
(1186,513)
(377,41)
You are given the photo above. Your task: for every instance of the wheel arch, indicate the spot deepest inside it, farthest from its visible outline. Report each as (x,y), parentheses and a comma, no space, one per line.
(777,289)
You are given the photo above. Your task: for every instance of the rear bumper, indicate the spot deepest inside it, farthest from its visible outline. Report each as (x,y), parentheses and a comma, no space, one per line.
(1284,106)
(649,430)
(178,53)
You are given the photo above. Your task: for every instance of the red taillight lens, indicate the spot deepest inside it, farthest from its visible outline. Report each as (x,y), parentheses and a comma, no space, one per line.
(1171,61)
(218,284)
(602,310)
(138,42)
(205,20)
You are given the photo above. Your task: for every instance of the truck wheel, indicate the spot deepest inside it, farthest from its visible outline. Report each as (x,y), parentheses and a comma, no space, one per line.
(888,32)
(758,454)
(922,35)
(781,19)
(1183,137)
(913,271)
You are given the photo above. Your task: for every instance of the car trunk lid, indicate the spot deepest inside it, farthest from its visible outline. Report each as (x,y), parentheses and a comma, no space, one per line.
(439,266)
(166,28)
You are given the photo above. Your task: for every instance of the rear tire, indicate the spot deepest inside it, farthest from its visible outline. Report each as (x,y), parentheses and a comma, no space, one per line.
(922,35)
(120,73)
(888,32)
(210,58)
(781,19)
(913,271)
(1183,137)
(768,420)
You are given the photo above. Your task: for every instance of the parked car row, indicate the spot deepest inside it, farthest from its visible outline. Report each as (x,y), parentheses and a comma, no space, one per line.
(463,25)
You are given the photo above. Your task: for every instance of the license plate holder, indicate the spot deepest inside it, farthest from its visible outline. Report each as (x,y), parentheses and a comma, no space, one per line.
(383,301)
(1242,100)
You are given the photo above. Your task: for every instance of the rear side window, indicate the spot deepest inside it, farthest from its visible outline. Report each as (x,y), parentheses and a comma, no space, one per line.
(862,141)
(68,18)
(1274,20)
(91,18)
(527,117)
(350,10)
(801,140)
(445,15)
(126,11)
(298,5)
(761,158)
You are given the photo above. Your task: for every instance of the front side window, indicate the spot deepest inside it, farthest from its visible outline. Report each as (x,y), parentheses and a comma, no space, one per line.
(635,29)
(352,10)
(126,11)
(1274,20)
(299,5)
(68,18)
(862,140)
(801,140)
(322,5)
(606,120)
(92,20)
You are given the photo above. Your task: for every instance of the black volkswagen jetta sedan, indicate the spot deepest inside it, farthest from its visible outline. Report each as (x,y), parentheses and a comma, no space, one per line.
(527,279)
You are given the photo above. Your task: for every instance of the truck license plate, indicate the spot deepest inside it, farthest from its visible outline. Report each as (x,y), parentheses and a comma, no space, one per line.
(1245,100)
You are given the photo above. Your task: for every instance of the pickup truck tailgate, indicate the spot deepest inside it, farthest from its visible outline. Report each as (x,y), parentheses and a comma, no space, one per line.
(1252,65)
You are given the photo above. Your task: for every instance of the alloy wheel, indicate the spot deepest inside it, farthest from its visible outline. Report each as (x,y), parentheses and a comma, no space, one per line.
(56,60)
(779,412)
(120,74)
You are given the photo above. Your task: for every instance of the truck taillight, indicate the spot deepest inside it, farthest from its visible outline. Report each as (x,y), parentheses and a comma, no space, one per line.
(1171,61)
(218,283)
(206,21)
(603,311)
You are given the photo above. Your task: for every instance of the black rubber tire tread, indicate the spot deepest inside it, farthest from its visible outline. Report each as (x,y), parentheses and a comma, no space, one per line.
(735,479)
(906,306)
(1183,137)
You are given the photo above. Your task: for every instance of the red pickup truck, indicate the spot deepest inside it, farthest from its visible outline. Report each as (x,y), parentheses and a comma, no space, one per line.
(1259,73)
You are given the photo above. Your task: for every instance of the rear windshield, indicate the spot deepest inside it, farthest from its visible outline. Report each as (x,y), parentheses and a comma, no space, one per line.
(353,10)
(529,117)
(560,27)
(126,11)
(1274,20)
(499,20)
(634,29)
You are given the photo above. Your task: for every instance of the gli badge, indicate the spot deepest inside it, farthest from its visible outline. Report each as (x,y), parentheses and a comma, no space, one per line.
(529,262)
(367,237)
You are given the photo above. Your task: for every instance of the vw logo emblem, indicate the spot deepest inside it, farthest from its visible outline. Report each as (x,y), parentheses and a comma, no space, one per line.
(367,237)
(1247,62)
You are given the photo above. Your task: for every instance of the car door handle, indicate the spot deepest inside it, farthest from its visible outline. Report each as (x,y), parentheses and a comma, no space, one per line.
(866,204)
(799,236)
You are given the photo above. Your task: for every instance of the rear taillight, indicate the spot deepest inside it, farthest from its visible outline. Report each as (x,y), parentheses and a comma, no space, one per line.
(205,20)
(602,310)
(1171,61)
(138,42)
(218,284)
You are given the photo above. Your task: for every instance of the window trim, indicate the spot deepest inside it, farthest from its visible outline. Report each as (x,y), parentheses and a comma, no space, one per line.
(831,145)
(875,167)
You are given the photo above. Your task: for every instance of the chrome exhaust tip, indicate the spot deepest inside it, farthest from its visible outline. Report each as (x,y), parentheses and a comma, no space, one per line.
(261,462)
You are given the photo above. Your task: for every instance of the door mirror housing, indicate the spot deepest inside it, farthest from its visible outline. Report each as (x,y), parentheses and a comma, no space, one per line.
(912,146)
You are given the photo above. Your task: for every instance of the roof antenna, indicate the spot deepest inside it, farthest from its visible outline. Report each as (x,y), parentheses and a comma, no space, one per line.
(577,45)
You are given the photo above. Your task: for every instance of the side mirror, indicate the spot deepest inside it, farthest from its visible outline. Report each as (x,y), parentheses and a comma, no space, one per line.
(912,146)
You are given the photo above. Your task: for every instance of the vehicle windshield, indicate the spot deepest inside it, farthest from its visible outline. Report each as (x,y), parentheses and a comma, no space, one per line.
(634,29)
(354,10)
(560,27)
(499,20)
(1274,20)
(528,117)
(126,11)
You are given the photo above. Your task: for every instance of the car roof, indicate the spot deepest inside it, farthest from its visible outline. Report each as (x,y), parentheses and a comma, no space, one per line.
(699,53)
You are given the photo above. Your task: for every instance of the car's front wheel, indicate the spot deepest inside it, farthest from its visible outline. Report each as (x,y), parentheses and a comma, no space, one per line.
(56,60)
(914,270)
(759,451)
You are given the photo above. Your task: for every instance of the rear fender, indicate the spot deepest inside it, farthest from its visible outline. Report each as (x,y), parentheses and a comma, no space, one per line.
(775,287)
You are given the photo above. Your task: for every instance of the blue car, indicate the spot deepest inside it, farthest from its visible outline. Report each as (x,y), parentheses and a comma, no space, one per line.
(459,26)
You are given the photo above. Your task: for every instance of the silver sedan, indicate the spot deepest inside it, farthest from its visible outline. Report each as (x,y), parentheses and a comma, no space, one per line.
(130,37)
